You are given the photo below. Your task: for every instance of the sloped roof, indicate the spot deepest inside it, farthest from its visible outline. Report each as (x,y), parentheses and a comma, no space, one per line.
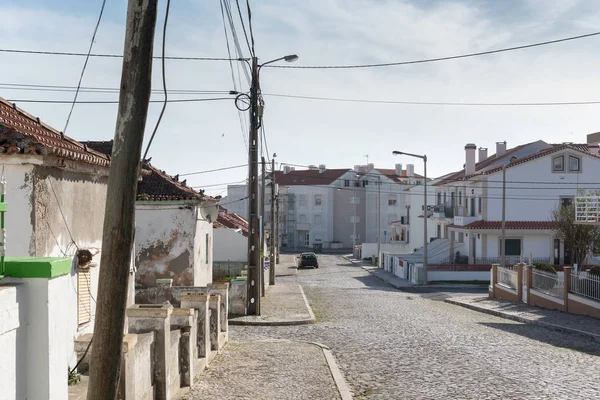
(515,225)
(156,185)
(22,133)
(391,174)
(309,177)
(231,221)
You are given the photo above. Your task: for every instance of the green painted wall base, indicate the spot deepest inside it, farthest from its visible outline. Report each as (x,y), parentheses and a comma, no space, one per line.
(37,267)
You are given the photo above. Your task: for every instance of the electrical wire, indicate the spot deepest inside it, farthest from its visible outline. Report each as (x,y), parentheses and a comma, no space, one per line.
(433,103)
(63,53)
(193,100)
(87,58)
(243,127)
(95,89)
(233,201)
(250,26)
(214,170)
(236,43)
(164,82)
(250,49)
(429,60)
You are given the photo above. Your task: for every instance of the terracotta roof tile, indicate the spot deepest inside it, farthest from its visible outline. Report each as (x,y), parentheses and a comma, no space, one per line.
(232,221)
(391,174)
(21,133)
(508,225)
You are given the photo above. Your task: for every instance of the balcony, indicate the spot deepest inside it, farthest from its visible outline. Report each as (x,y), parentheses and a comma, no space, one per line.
(463,221)
(443,211)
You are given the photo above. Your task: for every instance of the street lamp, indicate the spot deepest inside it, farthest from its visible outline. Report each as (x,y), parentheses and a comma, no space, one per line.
(503,235)
(424,158)
(255,275)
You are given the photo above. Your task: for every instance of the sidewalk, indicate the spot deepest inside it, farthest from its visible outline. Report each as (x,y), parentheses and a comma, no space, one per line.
(382,274)
(521,312)
(284,303)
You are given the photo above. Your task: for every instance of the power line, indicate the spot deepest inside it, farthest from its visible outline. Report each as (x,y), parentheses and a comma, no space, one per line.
(74,54)
(240,117)
(250,26)
(236,43)
(164,81)
(193,100)
(250,49)
(432,103)
(214,170)
(96,89)
(85,65)
(233,201)
(429,60)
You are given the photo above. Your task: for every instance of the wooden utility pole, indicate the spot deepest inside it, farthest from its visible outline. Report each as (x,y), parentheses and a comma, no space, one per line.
(262,230)
(277,244)
(119,217)
(273,224)
(253,282)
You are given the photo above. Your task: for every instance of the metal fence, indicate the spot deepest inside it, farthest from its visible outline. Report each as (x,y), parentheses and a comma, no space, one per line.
(508,277)
(547,283)
(586,286)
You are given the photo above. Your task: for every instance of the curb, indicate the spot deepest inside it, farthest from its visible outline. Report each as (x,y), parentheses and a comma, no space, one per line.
(559,328)
(282,322)
(336,374)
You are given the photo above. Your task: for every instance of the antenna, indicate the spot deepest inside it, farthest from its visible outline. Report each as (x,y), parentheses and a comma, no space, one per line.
(367,156)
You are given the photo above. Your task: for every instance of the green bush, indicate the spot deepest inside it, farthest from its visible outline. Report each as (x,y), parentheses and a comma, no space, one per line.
(595,270)
(544,267)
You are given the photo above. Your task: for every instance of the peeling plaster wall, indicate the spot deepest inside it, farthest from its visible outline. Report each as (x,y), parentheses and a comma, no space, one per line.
(164,243)
(19,218)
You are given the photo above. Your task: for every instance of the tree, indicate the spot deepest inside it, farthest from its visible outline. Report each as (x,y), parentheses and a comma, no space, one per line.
(581,239)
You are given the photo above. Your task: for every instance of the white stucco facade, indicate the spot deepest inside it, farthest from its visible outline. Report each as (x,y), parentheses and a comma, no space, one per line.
(229,245)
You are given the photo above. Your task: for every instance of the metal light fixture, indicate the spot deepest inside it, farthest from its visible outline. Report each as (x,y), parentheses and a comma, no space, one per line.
(291,58)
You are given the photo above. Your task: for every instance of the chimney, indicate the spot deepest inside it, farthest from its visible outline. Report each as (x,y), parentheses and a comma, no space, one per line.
(286,169)
(399,169)
(312,168)
(483,154)
(410,170)
(500,148)
(322,168)
(470,149)
(593,148)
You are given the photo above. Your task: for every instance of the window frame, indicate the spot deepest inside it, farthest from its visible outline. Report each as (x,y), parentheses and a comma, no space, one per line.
(578,159)
(318,200)
(506,240)
(562,165)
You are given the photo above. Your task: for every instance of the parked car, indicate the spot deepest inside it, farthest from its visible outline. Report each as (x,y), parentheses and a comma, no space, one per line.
(308,260)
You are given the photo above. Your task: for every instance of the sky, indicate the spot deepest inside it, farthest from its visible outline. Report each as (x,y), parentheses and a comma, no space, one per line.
(208,135)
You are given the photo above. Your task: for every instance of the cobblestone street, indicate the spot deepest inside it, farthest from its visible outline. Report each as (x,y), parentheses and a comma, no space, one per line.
(407,345)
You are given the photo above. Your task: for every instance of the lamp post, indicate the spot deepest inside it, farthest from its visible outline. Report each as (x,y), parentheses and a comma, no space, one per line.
(424,158)
(503,234)
(254,246)
(354,218)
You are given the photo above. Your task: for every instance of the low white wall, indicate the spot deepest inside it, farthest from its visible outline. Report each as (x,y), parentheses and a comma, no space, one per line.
(9,324)
(370,249)
(458,275)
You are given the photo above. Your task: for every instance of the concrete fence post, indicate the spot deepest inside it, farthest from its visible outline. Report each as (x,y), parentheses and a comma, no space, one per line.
(494,279)
(529,282)
(144,318)
(199,302)
(185,319)
(127,389)
(520,281)
(214,304)
(222,289)
(567,282)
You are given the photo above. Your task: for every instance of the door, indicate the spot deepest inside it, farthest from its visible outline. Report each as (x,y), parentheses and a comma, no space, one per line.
(474,247)
(472,206)
(567,252)
(556,251)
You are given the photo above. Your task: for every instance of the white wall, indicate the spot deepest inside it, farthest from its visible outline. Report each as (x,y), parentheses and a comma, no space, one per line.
(229,245)
(18,219)
(9,324)
(538,242)
(170,242)
(370,249)
(324,230)
(235,201)
(458,276)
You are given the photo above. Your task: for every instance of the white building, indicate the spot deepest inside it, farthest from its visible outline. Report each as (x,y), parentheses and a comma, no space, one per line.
(540,177)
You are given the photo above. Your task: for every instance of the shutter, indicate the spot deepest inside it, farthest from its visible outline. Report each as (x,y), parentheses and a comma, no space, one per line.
(84,304)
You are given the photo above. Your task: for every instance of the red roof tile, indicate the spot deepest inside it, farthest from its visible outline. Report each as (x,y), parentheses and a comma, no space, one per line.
(508,225)
(22,133)
(309,177)
(232,221)
(391,174)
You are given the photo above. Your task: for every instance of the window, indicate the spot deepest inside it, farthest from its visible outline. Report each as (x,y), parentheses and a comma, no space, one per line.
(302,218)
(307,240)
(392,202)
(558,164)
(512,247)
(84,305)
(444,198)
(566,201)
(347,182)
(461,237)
(355,200)
(439,198)
(460,198)
(318,199)
(479,201)
(206,249)
(574,164)
(318,218)
(365,182)
(355,219)
(303,201)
